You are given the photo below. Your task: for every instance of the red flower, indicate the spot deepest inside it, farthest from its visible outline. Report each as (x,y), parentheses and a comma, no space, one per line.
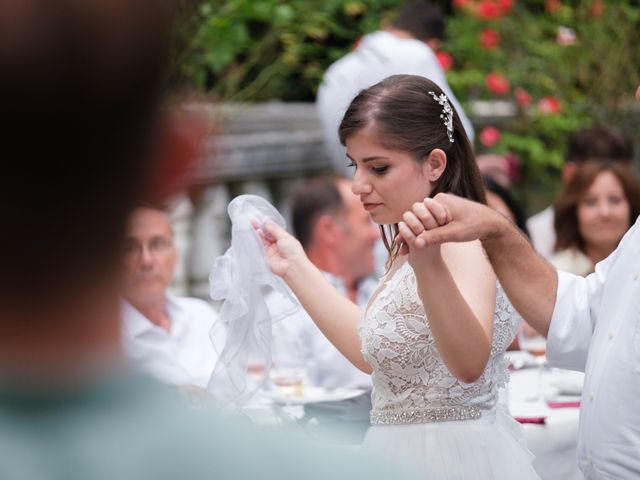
(597,8)
(523,98)
(497,83)
(505,5)
(445,59)
(549,106)
(552,5)
(489,10)
(513,162)
(489,136)
(489,38)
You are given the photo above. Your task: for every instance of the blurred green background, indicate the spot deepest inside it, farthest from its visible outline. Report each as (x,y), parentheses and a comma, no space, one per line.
(558,65)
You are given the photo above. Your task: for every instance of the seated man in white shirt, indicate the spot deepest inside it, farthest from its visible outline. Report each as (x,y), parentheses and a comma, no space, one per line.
(163,335)
(339,238)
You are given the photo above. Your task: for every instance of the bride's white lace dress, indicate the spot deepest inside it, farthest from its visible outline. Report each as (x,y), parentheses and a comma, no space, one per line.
(421,413)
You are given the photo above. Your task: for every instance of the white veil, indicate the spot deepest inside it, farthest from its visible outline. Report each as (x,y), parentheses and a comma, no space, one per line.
(240,279)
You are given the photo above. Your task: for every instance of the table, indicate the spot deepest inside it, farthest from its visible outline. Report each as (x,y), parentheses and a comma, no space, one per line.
(554,443)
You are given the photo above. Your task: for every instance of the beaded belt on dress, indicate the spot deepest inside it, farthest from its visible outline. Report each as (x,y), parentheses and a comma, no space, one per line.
(425,415)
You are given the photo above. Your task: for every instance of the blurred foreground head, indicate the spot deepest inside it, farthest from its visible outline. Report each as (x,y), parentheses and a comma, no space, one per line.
(80,87)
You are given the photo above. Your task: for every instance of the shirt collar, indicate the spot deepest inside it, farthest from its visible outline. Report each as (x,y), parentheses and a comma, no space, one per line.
(137,324)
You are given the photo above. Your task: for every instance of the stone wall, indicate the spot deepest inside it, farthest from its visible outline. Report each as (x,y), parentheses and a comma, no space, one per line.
(262,149)
(266,149)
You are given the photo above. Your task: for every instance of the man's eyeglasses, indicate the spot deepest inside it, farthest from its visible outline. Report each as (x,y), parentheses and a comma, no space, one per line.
(157,245)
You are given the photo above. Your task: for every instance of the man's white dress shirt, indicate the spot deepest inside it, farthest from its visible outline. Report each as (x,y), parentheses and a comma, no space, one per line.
(596,328)
(298,342)
(378,56)
(185,354)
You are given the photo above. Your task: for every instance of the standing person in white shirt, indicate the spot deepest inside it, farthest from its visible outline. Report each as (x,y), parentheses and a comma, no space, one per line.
(404,46)
(589,143)
(592,324)
(163,335)
(339,238)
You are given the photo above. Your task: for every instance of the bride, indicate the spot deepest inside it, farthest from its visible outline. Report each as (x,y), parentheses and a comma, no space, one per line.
(434,333)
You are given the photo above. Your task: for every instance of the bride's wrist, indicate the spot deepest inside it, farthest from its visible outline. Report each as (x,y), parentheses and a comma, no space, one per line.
(430,267)
(298,271)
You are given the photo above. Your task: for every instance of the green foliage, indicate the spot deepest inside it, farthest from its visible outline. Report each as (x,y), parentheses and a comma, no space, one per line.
(264,49)
(581,56)
(568,63)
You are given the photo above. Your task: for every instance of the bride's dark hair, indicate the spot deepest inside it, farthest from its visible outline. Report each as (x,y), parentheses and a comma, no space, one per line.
(406,118)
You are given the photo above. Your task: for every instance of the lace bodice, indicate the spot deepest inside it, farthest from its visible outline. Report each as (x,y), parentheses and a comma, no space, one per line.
(408,372)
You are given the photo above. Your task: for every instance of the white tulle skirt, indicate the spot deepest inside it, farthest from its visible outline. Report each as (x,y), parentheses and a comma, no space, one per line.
(490,448)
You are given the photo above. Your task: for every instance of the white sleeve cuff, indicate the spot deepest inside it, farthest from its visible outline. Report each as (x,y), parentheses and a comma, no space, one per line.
(571,326)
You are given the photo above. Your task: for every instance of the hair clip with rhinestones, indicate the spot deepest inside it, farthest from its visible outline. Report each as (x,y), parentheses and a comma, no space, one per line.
(447,113)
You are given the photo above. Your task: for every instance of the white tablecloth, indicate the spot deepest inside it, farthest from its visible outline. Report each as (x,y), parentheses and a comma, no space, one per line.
(554,443)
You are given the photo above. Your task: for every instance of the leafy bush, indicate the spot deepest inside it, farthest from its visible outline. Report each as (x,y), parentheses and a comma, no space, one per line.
(259,50)
(561,63)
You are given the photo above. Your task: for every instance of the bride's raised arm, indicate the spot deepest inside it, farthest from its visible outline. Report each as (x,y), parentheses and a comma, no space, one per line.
(335,315)
(457,287)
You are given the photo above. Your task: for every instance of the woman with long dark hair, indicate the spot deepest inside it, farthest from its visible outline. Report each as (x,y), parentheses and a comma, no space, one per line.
(434,333)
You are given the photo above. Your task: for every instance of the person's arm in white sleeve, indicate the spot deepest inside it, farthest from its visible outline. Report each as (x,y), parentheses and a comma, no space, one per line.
(572,322)
(575,314)
(561,306)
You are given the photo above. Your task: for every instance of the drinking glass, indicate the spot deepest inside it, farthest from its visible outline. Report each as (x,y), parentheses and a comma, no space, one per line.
(534,343)
(288,381)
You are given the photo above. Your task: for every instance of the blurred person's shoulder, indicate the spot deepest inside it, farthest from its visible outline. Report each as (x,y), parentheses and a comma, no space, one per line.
(573,261)
(542,219)
(542,231)
(135,427)
(394,44)
(196,306)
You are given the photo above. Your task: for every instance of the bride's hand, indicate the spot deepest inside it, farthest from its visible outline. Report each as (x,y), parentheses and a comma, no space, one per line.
(283,250)
(415,221)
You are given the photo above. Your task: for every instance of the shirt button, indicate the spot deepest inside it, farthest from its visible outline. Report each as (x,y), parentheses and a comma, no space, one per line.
(610,335)
(591,397)
(636,276)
